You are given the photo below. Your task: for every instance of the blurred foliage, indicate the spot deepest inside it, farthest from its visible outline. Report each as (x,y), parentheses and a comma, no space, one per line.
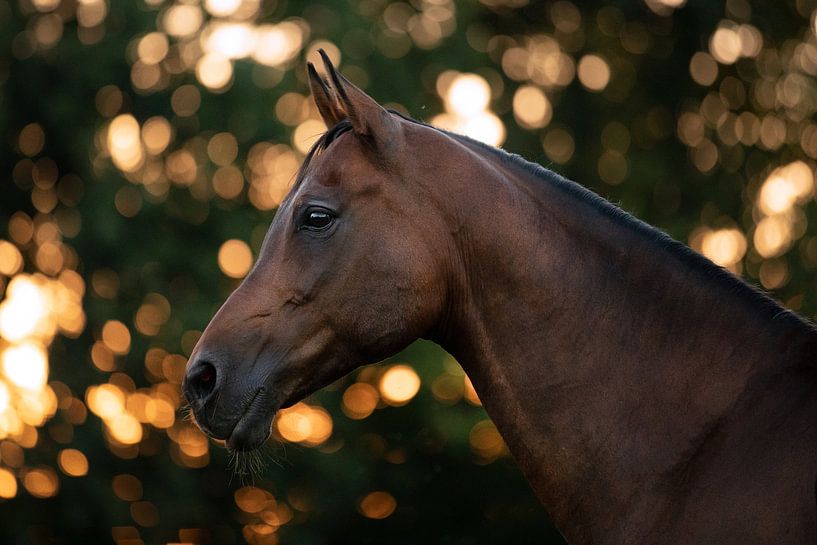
(148,143)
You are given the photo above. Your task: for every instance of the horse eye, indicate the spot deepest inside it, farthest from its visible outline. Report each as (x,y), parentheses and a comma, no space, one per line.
(317,220)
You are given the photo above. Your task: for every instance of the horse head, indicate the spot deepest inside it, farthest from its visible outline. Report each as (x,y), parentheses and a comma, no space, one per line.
(348,274)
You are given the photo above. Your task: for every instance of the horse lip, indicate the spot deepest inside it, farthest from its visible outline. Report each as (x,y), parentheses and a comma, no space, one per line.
(243,421)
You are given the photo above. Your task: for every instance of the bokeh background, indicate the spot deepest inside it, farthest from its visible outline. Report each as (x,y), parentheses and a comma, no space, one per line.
(147,143)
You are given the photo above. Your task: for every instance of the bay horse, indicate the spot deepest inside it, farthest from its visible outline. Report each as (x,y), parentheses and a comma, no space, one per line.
(648,395)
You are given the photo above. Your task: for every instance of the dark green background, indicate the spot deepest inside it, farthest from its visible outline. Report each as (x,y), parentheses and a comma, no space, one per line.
(442,494)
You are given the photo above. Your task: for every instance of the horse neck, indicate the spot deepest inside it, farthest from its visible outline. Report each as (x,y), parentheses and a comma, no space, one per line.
(604,353)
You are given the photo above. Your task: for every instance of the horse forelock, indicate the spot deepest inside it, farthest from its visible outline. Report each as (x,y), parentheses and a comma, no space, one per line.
(320,145)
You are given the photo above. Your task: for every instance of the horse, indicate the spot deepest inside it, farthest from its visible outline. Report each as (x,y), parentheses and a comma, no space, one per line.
(648,395)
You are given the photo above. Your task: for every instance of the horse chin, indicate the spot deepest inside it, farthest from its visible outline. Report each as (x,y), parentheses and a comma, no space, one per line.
(253,428)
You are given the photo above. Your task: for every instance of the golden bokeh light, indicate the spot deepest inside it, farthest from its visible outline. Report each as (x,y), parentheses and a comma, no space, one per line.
(8,484)
(156,135)
(251,499)
(127,487)
(558,144)
(222,148)
(231,40)
(11,260)
(594,72)
(72,462)
(531,107)
(486,442)
(26,365)
(235,258)
(468,95)
(105,400)
(703,68)
(731,41)
(306,134)
(46,5)
(613,166)
(469,392)
(377,505)
(25,311)
(785,187)
(222,8)
(41,482)
(310,426)
(277,44)
(185,100)
(778,202)
(144,513)
(181,20)
(116,336)
(152,48)
(359,400)
(124,143)
(466,98)
(272,172)
(399,384)
(34,310)
(228,182)
(5,397)
(124,428)
(773,274)
(773,236)
(447,389)
(31,139)
(725,247)
(214,71)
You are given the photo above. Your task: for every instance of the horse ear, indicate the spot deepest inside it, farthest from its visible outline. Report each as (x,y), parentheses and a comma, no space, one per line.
(327,104)
(369,119)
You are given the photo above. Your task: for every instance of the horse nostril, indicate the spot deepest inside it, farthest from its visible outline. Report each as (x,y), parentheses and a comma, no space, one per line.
(202,380)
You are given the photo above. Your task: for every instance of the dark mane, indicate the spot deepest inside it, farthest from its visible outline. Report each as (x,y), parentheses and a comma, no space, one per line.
(681,251)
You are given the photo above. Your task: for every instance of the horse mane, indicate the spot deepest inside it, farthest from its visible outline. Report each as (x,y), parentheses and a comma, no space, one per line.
(736,285)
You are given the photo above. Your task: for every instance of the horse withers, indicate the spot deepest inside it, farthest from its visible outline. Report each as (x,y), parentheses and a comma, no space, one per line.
(648,395)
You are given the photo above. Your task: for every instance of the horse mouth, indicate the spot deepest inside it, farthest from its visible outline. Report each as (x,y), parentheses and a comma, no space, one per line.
(253,427)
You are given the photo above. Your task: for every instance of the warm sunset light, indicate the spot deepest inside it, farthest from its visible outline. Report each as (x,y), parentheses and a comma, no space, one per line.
(235,258)
(105,400)
(399,384)
(360,400)
(41,482)
(786,186)
(301,423)
(8,484)
(594,72)
(486,442)
(377,505)
(151,144)
(10,258)
(5,397)
(116,336)
(531,107)
(73,462)
(124,143)
(725,247)
(156,134)
(26,366)
(467,97)
(24,311)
